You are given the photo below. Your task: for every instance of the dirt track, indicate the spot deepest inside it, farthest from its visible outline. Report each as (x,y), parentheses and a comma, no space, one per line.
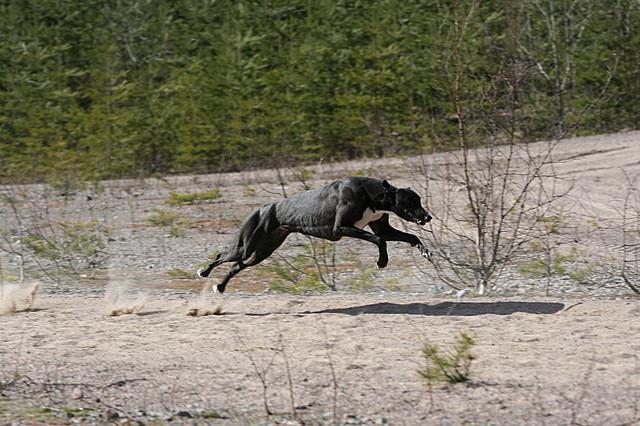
(538,361)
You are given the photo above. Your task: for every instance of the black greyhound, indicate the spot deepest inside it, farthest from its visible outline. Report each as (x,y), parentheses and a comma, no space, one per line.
(340,209)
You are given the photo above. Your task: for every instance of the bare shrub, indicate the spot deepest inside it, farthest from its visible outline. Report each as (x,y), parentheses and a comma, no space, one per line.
(488,205)
(489,197)
(313,270)
(630,229)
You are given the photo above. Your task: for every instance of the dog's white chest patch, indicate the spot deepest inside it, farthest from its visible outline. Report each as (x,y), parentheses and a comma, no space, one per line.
(369,216)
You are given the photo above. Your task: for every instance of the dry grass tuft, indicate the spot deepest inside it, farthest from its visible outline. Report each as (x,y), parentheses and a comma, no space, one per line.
(18,297)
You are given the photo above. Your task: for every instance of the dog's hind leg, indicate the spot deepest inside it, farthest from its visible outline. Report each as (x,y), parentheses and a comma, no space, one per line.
(204,272)
(264,225)
(231,256)
(262,250)
(237,267)
(241,240)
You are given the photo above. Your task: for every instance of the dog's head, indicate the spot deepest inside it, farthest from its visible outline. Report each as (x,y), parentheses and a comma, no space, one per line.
(408,205)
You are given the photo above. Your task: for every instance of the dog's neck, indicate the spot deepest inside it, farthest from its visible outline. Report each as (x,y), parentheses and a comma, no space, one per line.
(388,202)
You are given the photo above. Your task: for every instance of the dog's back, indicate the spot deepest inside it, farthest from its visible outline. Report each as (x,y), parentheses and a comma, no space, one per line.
(308,209)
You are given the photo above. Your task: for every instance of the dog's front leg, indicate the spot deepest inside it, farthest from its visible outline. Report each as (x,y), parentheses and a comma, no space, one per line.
(424,251)
(384,230)
(383,256)
(350,231)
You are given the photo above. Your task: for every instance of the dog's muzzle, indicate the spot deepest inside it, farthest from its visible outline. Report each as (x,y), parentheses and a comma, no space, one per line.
(424,220)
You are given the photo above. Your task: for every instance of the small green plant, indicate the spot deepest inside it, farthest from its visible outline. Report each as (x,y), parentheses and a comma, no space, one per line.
(551,224)
(451,367)
(179,274)
(395,283)
(364,276)
(162,218)
(363,172)
(176,199)
(177,223)
(177,231)
(248,191)
(83,239)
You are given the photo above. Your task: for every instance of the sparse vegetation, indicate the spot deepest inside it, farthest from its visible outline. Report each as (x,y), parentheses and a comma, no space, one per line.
(165,218)
(176,199)
(41,247)
(248,191)
(304,176)
(312,271)
(162,218)
(177,231)
(554,263)
(543,267)
(302,284)
(179,274)
(67,247)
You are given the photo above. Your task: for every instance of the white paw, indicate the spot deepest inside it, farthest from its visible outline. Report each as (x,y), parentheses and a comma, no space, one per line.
(199,272)
(426,254)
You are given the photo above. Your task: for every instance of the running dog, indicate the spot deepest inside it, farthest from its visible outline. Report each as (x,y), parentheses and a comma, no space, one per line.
(341,209)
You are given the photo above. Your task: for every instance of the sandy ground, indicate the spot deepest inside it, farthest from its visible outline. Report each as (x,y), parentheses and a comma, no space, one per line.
(354,357)
(342,358)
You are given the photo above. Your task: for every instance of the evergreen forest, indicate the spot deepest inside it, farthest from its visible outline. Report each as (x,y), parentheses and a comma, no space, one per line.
(103,89)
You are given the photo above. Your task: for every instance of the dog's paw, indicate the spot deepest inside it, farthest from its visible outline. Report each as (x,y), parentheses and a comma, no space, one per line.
(201,273)
(382,262)
(424,252)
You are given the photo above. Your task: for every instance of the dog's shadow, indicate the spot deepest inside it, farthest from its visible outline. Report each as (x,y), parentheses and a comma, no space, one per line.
(449,308)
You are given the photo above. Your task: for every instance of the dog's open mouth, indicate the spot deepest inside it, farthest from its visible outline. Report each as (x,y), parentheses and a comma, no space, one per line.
(424,221)
(409,216)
